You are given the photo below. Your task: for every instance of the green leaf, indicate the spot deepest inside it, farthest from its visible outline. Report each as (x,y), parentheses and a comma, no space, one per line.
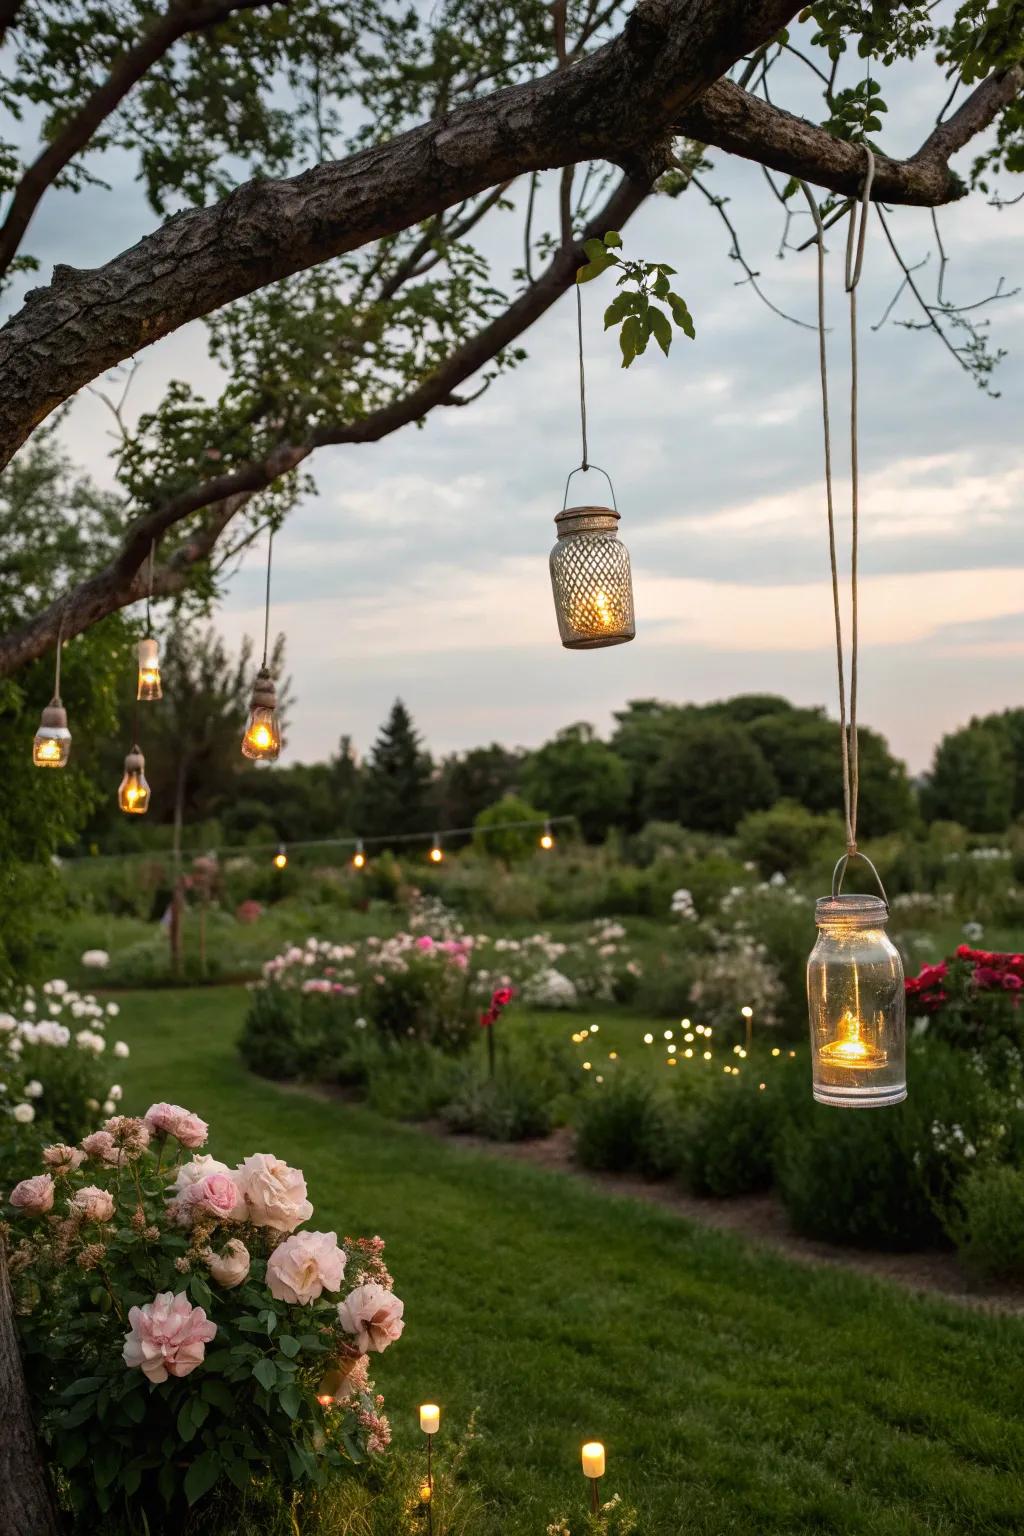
(595,249)
(632,339)
(661,328)
(290,1400)
(70,1450)
(239,1474)
(265,1372)
(201,1476)
(220,1395)
(83,1384)
(200,1291)
(288,1345)
(681,315)
(612,238)
(594,269)
(186,1428)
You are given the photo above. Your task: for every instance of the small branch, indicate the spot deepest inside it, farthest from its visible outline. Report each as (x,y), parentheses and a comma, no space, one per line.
(736,254)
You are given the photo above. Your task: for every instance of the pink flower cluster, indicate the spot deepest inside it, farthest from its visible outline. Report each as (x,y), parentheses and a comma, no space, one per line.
(168,1337)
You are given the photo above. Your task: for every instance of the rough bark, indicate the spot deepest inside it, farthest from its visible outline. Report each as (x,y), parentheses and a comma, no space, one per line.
(612,104)
(26,1508)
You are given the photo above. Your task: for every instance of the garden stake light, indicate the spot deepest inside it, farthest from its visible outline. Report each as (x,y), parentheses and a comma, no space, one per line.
(593,1468)
(590,574)
(149,688)
(855,991)
(51,745)
(262,738)
(430,1423)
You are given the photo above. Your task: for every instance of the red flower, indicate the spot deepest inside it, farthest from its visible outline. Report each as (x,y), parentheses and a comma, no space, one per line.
(502,997)
(1012,983)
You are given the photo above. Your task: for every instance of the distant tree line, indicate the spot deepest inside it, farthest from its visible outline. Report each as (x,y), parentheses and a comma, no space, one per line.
(706,767)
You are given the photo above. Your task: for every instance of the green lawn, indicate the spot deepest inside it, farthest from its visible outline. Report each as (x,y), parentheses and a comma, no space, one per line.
(736,1393)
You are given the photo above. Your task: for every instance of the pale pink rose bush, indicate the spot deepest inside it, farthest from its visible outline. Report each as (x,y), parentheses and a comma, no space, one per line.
(161,1291)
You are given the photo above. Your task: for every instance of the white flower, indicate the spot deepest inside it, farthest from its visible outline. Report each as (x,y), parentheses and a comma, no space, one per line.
(113,1010)
(34,1089)
(7,1022)
(777,879)
(120,1049)
(89,1040)
(28,1005)
(24,1113)
(15,1046)
(96,959)
(116,1093)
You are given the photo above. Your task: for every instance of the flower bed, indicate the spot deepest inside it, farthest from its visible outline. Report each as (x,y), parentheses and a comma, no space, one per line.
(181,1334)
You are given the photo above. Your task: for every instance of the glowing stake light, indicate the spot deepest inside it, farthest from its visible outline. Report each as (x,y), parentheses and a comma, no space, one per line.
(359,857)
(592,1456)
(133,791)
(430,1418)
(281,857)
(436,851)
(262,738)
(547,838)
(149,671)
(51,745)
(857,1005)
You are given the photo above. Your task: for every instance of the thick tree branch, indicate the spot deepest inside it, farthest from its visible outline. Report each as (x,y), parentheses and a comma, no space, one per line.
(183,17)
(612,104)
(734,120)
(125,579)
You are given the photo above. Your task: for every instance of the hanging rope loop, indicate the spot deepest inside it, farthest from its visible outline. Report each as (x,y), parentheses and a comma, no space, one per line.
(849,743)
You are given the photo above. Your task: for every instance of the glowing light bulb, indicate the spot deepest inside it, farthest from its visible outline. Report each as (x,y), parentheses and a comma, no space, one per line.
(547,839)
(593,1459)
(133,791)
(430,1418)
(261,740)
(149,688)
(648,1039)
(281,858)
(359,857)
(51,745)
(437,852)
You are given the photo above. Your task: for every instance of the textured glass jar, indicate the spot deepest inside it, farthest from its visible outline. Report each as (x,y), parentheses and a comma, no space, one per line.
(261,740)
(149,688)
(133,791)
(857,1005)
(590,580)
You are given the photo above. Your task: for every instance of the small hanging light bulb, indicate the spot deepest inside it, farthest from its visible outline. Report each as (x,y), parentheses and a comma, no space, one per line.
(436,850)
(133,793)
(51,745)
(359,857)
(149,670)
(547,837)
(262,738)
(281,857)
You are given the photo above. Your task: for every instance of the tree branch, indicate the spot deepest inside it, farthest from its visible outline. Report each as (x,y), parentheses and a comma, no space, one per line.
(612,104)
(125,579)
(740,123)
(183,17)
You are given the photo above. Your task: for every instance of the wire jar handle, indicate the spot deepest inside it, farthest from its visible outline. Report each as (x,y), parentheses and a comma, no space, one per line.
(582,469)
(839,874)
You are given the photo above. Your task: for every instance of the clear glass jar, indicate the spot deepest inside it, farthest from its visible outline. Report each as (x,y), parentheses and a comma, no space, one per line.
(149,688)
(591,580)
(51,745)
(857,1005)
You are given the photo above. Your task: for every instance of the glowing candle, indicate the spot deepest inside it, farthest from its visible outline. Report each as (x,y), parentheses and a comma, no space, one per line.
(593,1459)
(430,1418)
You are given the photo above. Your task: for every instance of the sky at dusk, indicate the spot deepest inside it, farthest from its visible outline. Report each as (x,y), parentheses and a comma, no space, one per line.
(420,567)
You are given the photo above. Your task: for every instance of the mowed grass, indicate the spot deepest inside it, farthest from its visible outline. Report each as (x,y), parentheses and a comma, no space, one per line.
(735,1392)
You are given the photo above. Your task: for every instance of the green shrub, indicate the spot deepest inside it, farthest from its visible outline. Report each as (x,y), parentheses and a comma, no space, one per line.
(788,837)
(410,1081)
(727,1135)
(625,1125)
(510,1107)
(989,1226)
(890,1178)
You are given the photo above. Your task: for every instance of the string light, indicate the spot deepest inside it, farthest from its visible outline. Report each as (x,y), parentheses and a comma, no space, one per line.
(359,857)
(547,838)
(133,791)
(281,857)
(436,850)
(51,745)
(261,740)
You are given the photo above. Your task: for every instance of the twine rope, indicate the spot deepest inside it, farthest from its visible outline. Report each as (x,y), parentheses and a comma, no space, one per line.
(266,608)
(584,465)
(855,242)
(149,593)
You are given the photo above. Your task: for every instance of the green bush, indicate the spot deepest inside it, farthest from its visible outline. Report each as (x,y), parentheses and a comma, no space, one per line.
(410,1081)
(890,1178)
(510,1107)
(291,1034)
(989,1226)
(727,1135)
(788,837)
(625,1125)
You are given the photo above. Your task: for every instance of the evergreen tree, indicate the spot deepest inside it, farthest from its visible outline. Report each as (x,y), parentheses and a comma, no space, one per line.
(397,783)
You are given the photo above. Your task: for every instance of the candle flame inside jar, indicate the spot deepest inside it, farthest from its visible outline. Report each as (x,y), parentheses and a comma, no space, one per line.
(850,1049)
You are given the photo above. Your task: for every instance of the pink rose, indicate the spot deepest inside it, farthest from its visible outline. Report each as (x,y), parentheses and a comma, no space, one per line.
(373,1315)
(231,1266)
(424,941)
(92,1204)
(274,1194)
(215,1194)
(34,1196)
(101,1146)
(198,1168)
(168,1337)
(304,1266)
(172,1120)
(63,1159)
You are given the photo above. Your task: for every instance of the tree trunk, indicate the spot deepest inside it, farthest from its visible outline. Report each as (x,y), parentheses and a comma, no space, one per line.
(26,1505)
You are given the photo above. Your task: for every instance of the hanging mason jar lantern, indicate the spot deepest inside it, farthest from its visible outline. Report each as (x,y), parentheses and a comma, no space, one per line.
(857,1003)
(262,738)
(149,670)
(359,857)
(590,577)
(51,745)
(133,793)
